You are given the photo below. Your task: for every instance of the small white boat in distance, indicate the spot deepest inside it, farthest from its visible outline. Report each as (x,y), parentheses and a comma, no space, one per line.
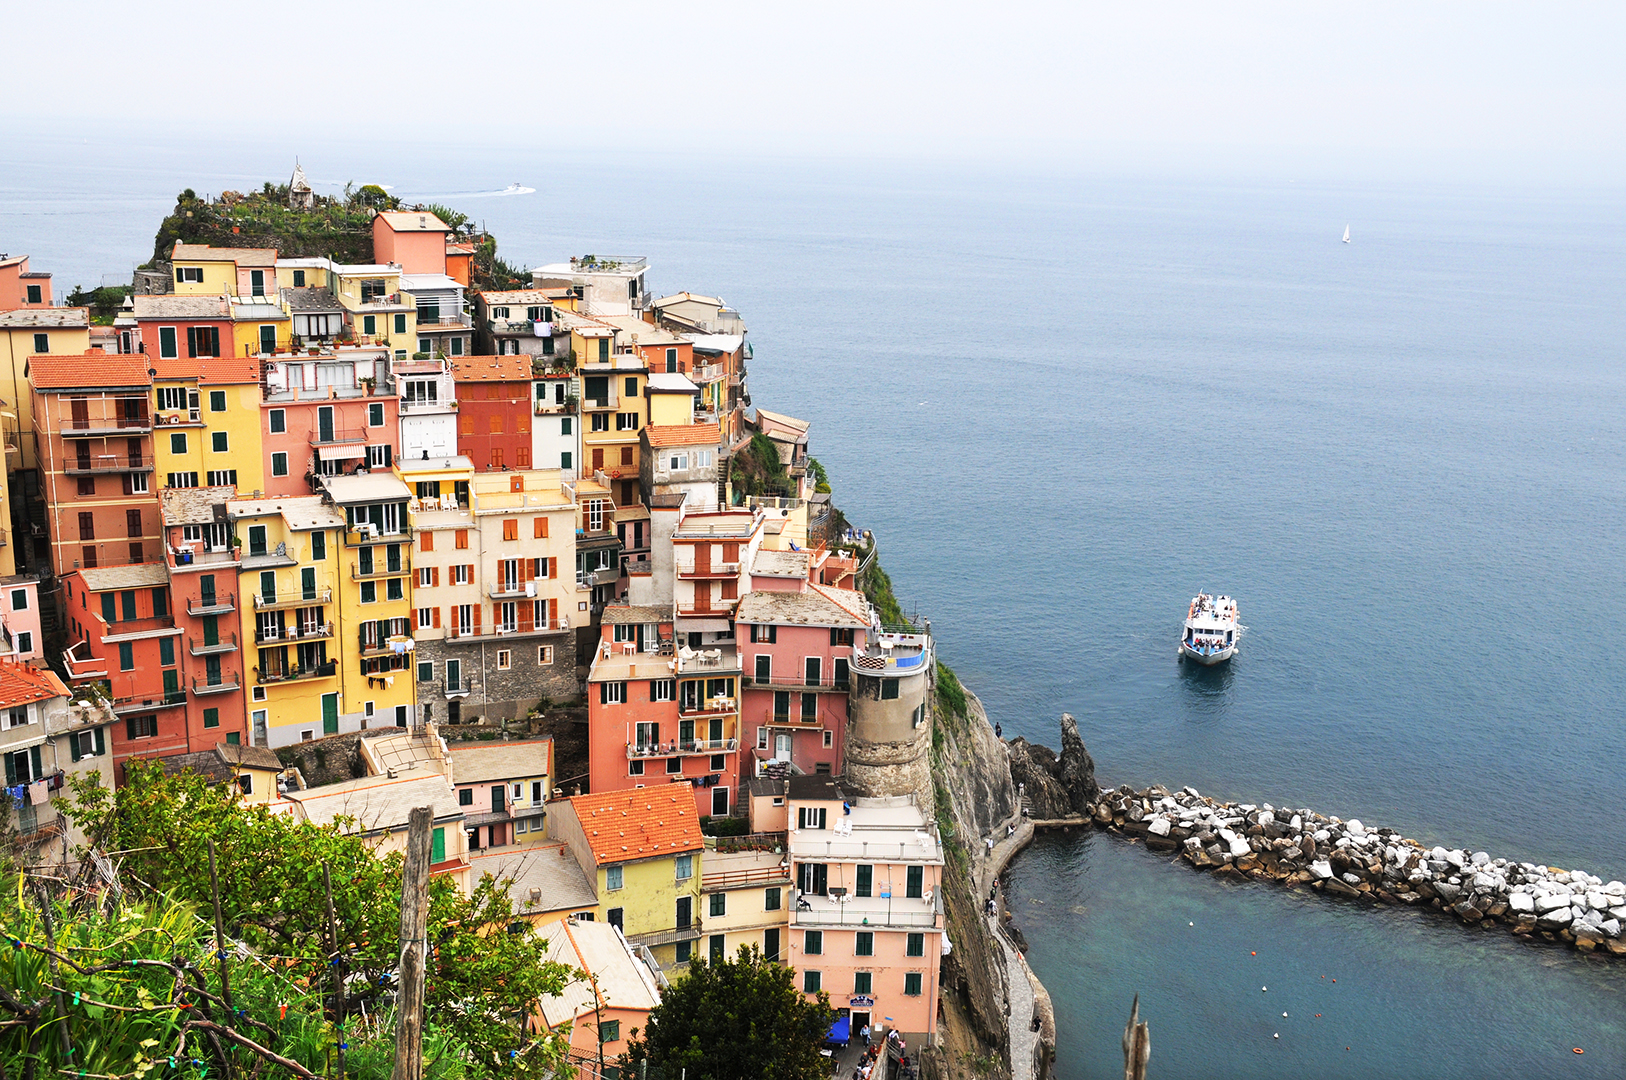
(1212,632)
(1346,234)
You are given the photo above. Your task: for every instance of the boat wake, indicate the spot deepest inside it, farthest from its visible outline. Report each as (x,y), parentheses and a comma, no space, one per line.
(511,189)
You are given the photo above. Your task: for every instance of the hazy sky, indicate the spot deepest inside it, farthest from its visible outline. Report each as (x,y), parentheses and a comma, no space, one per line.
(1504,89)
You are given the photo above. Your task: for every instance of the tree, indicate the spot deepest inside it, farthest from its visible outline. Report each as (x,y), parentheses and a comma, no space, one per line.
(742,1018)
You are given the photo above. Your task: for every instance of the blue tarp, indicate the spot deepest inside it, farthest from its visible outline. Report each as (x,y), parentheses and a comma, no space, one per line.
(840,1031)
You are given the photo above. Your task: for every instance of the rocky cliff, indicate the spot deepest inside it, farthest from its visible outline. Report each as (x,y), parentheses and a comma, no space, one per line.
(1055,787)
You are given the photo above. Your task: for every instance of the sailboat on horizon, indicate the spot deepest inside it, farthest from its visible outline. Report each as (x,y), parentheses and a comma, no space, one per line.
(1346,234)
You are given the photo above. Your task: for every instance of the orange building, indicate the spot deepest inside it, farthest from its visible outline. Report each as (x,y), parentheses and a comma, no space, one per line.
(413,240)
(93,424)
(21,287)
(494,410)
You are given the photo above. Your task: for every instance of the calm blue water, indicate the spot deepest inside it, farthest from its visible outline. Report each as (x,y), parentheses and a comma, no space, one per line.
(1065,405)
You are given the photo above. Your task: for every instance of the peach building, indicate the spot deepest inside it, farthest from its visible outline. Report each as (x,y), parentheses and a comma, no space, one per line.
(414,240)
(867,924)
(327,415)
(21,287)
(609,998)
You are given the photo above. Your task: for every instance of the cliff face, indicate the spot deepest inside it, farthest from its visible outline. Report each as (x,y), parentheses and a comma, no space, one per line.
(974,794)
(1055,787)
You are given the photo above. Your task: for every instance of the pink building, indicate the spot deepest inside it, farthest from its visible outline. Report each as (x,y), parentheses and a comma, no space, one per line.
(659,715)
(867,925)
(328,415)
(20,636)
(21,287)
(797,639)
(413,240)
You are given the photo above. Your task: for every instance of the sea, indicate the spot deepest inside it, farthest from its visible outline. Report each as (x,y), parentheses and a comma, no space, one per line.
(1066,399)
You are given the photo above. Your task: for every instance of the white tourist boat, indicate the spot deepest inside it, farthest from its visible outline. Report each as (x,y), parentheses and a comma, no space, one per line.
(1212,631)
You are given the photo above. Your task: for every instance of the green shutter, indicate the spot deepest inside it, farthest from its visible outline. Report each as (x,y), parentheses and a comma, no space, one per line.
(34,760)
(11,771)
(101,743)
(73,745)
(437,847)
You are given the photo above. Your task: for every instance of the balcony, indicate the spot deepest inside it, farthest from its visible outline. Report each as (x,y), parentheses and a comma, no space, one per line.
(916,913)
(80,664)
(675,747)
(277,601)
(96,464)
(705,373)
(168,699)
(422,408)
(739,879)
(136,629)
(718,607)
(227,682)
(827,686)
(603,403)
(819,720)
(404,566)
(339,436)
(707,661)
(519,629)
(371,649)
(666,937)
(893,651)
(566,407)
(709,707)
(283,635)
(260,558)
(190,558)
(199,647)
(443,322)
(79,426)
(705,573)
(506,589)
(371,535)
(213,604)
(325,670)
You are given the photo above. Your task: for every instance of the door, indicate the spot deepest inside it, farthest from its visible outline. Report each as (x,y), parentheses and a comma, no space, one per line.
(815,879)
(770,944)
(719,802)
(261,737)
(211,668)
(307,583)
(206,590)
(497,798)
(172,685)
(211,630)
(685,912)
(781,705)
(324,423)
(330,715)
(256,285)
(702,558)
(80,408)
(268,339)
(813,670)
(781,746)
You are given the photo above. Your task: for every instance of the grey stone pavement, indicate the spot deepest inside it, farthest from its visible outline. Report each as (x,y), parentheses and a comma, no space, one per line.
(1019,996)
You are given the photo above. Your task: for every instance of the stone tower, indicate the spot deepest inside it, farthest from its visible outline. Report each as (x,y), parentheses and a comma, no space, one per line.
(889,725)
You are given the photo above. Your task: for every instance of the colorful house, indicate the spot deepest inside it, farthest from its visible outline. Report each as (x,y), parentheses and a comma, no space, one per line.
(21,636)
(46,740)
(428,408)
(200,558)
(746,898)
(201,270)
(21,287)
(414,240)
(377,312)
(376,586)
(503,788)
(494,410)
(188,326)
(867,926)
(642,851)
(24,334)
(326,415)
(207,423)
(609,997)
(252,770)
(519,322)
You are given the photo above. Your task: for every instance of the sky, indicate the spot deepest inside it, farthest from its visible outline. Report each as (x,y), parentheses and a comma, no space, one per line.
(1437,89)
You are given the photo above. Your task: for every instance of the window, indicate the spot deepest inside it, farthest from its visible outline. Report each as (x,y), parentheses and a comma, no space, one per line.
(674,765)
(87,485)
(465,796)
(632,388)
(663,689)
(369,592)
(177,442)
(866,881)
(862,982)
(400,324)
(609,1031)
(684,951)
(138,483)
(685,867)
(454,676)
(510,529)
(167,347)
(671,361)
(612,693)
(813,942)
(810,817)
(462,541)
(375,415)
(810,981)
(770,899)
(36,295)
(463,574)
(369,323)
(218,442)
(141,727)
(766,634)
(864,943)
(914,882)
(601,422)
(613,877)
(889,689)
(182,480)
(635,768)
(18,717)
(299,279)
(505,659)
(25,643)
(222,477)
(719,904)
(279,421)
(217,401)
(911,984)
(915,946)
(211,717)
(318,546)
(426,671)
(126,656)
(544,654)
(172,397)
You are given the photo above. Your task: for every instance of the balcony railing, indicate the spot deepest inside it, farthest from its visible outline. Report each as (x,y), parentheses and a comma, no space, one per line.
(718,660)
(92,425)
(227,682)
(716,606)
(216,604)
(192,556)
(335,436)
(519,629)
(775,718)
(199,647)
(505,589)
(568,405)
(709,707)
(674,747)
(325,670)
(379,570)
(826,914)
(364,538)
(715,570)
(137,703)
(108,463)
(282,635)
(825,686)
(262,602)
(667,937)
(736,879)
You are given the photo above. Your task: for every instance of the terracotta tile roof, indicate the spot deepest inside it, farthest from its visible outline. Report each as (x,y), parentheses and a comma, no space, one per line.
(513,368)
(21,684)
(231,370)
(684,434)
(639,824)
(240,256)
(174,367)
(91,369)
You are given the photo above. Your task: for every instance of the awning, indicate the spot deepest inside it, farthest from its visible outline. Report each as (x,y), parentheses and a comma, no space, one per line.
(840,1031)
(341,453)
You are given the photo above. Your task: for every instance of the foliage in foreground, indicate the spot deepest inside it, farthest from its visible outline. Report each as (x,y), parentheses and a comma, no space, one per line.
(487,974)
(740,1018)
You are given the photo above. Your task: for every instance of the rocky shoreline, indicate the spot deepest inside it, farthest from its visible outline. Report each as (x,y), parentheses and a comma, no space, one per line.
(1298,847)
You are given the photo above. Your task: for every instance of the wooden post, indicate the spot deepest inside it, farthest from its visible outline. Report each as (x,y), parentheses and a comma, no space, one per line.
(414,920)
(336,964)
(1137,1044)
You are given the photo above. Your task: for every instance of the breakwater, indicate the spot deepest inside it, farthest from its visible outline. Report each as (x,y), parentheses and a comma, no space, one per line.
(1301,848)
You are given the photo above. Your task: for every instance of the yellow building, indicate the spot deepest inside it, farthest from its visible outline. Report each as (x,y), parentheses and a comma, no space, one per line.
(207,430)
(613,375)
(260,328)
(289,603)
(24,333)
(201,270)
(746,899)
(375,599)
(376,310)
(304,273)
(641,850)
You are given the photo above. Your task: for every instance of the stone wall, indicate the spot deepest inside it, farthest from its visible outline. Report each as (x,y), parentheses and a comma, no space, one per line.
(498,695)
